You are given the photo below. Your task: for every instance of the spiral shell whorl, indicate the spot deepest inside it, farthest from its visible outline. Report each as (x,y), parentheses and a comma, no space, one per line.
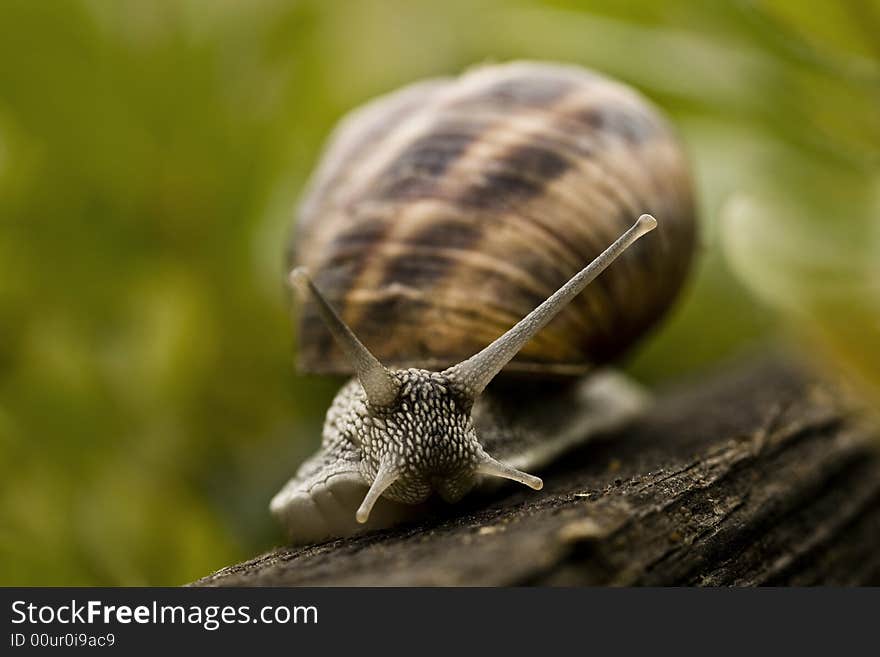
(445,212)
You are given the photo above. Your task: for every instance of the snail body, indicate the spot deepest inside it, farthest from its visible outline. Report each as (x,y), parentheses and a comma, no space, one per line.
(441,216)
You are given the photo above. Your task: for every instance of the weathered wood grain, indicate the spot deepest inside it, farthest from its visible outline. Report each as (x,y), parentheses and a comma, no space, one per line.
(752,476)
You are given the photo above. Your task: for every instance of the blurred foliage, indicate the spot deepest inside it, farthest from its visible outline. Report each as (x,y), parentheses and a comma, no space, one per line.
(151,154)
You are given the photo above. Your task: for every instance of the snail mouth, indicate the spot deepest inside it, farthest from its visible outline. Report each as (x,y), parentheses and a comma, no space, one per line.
(451,484)
(451,488)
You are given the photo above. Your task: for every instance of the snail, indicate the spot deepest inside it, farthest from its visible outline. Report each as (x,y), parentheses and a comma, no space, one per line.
(443,238)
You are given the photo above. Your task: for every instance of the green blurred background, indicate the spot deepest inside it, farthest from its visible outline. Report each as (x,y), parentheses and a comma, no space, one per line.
(151,155)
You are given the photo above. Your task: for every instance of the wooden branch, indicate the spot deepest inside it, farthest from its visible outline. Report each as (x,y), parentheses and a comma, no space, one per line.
(754,476)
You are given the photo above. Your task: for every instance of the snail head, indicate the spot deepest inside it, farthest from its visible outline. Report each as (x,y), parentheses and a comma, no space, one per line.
(413,427)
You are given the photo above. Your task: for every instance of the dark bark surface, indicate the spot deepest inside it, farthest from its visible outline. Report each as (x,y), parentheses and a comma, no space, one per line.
(752,476)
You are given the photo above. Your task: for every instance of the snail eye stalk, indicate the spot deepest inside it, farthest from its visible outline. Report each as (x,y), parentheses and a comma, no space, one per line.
(475,373)
(379,386)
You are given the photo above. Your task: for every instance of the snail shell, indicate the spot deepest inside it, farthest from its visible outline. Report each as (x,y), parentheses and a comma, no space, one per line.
(443,213)
(448,223)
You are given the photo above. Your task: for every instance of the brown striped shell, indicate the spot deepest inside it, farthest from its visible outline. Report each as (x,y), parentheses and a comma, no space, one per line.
(443,213)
